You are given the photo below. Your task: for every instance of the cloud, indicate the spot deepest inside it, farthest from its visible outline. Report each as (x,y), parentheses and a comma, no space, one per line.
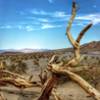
(20,27)
(94,18)
(43,19)
(51,20)
(5,27)
(38,12)
(59,14)
(29,28)
(48,26)
(43,16)
(96,21)
(50,1)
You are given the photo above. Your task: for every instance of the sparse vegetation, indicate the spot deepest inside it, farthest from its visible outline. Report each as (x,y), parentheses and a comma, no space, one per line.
(18,67)
(61,68)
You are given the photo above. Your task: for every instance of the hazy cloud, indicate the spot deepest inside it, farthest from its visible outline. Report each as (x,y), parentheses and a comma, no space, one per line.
(62,16)
(50,1)
(38,12)
(52,20)
(59,14)
(47,26)
(94,18)
(5,26)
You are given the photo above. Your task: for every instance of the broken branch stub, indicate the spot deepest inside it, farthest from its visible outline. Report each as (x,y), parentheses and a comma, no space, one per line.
(47,88)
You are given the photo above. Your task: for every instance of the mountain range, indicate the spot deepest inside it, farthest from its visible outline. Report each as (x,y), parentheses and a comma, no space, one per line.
(26,50)
(87,47)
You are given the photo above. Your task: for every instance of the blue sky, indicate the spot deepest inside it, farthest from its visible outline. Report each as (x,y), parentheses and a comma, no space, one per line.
(42,23)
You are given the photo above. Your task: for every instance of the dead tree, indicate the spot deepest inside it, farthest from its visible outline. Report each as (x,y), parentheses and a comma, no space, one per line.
(14,79)
(7,77)
(43,76)
(57,69)
(2,97)
(68,68)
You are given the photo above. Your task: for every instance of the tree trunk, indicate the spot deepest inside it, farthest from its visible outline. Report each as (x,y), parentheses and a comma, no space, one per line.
(48,86)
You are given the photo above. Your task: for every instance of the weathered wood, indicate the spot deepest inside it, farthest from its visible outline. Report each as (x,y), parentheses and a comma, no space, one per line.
(15,79)
(68,33)
(64,68)
(2,97)
(84,84)
(19,91)
(48,86)
(43,76)
(81,34)
(56,97)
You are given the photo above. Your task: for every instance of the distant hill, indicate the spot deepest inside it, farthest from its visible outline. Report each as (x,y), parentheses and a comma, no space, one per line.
(91,47)
(13,51)
(1,51)
(32,50)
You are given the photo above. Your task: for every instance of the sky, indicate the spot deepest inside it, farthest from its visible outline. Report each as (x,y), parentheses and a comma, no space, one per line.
(41,24)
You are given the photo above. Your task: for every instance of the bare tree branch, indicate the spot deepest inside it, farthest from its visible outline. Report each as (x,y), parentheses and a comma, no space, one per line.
(83,32)
(68,33)
(2,97)
(15,79)
(19,91)
(85,85)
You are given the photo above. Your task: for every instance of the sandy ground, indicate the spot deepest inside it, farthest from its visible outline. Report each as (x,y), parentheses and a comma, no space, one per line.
(72,91)
(67,91)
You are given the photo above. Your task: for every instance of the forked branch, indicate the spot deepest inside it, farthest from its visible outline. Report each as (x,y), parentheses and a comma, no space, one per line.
(68,33)
(81,34)
(15,79)
(75,43)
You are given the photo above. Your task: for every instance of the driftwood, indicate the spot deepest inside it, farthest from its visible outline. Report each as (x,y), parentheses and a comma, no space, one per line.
(43,78)
(85,85)
(56,97)
(15,79)
(19,91)
(66,68)
(2,97)
(19,82)
(47,89)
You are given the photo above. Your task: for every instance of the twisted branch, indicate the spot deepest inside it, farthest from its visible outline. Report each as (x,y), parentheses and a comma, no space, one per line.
(58,69)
